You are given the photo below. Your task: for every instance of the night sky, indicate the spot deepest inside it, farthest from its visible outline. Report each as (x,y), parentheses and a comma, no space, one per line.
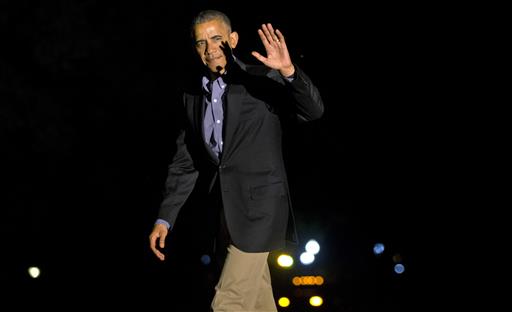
(88,117)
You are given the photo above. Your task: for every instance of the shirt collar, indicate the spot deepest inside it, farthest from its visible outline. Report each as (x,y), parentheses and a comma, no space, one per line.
(207,83)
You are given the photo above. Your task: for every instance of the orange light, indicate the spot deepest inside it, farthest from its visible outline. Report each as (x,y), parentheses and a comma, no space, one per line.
(307,280)
(297,281)
(319,280)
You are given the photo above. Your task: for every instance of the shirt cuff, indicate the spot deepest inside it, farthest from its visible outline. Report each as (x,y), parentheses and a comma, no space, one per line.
(292,77)
(162,221)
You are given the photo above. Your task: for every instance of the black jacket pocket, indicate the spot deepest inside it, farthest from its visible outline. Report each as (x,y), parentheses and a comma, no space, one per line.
(267,191)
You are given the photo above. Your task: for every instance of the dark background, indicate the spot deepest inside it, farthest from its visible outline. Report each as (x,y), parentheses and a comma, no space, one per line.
(88,113)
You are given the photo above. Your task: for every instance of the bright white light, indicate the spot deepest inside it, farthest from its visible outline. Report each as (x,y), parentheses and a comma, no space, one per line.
(307,258)
(312,247)
(285,261)
(34,272)
(399,268)
(378,248)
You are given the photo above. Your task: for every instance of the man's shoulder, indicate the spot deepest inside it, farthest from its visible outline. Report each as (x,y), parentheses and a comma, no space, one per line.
(254,69)
(258,73)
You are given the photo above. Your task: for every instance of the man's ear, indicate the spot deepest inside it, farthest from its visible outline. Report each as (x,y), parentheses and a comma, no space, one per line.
(233,39)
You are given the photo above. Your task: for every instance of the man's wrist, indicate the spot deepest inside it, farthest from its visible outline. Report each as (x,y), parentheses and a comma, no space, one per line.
(288,72)
(162,221)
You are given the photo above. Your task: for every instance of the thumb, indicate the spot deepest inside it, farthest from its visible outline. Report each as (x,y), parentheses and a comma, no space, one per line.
(258,56)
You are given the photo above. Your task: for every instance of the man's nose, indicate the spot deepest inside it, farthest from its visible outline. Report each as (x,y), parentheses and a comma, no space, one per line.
(210,47)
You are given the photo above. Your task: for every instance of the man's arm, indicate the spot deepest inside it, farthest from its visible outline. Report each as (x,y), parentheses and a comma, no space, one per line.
(308,102)
(309,105)
(180,182)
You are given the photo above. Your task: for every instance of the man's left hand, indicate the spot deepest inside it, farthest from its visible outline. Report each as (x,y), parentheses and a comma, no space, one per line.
(277,57)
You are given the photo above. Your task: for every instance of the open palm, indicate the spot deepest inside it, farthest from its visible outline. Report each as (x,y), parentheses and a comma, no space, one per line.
(278,56)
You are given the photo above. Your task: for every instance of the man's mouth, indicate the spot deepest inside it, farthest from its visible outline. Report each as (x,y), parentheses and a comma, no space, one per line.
(210,59)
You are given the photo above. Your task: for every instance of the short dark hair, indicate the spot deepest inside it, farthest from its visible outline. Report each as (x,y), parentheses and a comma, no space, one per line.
(209,15)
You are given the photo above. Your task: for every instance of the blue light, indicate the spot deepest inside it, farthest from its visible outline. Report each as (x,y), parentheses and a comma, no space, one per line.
(399,268)
(205,259)
(378,248)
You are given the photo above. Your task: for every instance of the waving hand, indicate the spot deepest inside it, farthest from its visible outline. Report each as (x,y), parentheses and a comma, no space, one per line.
(277,53)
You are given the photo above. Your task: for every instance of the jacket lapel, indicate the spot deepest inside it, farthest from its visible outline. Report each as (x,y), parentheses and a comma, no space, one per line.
(199,107)
(231,118)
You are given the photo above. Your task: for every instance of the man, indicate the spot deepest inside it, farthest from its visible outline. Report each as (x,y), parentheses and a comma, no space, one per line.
(231,151)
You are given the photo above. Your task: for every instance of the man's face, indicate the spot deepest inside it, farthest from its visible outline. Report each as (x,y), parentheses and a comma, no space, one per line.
(208,40)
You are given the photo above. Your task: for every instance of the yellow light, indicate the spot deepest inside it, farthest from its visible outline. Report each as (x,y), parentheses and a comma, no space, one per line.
(285,261)
(283,302)
(316,301)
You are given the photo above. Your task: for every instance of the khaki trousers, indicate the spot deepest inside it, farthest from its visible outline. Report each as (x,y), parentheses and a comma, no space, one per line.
(244,284)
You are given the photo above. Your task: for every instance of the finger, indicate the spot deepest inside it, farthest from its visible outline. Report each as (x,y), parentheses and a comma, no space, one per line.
(152,244)
(152,241)
(268,35)
(260,57)
(263,38)
(160,255)
(162,241)
(280,35)
(273,33)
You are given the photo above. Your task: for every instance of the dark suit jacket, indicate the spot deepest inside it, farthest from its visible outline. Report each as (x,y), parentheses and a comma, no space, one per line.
(250,172)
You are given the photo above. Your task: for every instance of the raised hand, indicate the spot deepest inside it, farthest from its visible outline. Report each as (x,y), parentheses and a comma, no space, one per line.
(277,53)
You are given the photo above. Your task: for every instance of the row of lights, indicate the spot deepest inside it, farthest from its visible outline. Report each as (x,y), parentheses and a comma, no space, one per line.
(314,301)
(306,258)
(307,280)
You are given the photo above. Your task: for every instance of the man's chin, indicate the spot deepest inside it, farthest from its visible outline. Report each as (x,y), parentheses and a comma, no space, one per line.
(216,67)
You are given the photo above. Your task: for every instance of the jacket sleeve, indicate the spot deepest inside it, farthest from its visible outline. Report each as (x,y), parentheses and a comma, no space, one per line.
(181,179)
(308,102)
